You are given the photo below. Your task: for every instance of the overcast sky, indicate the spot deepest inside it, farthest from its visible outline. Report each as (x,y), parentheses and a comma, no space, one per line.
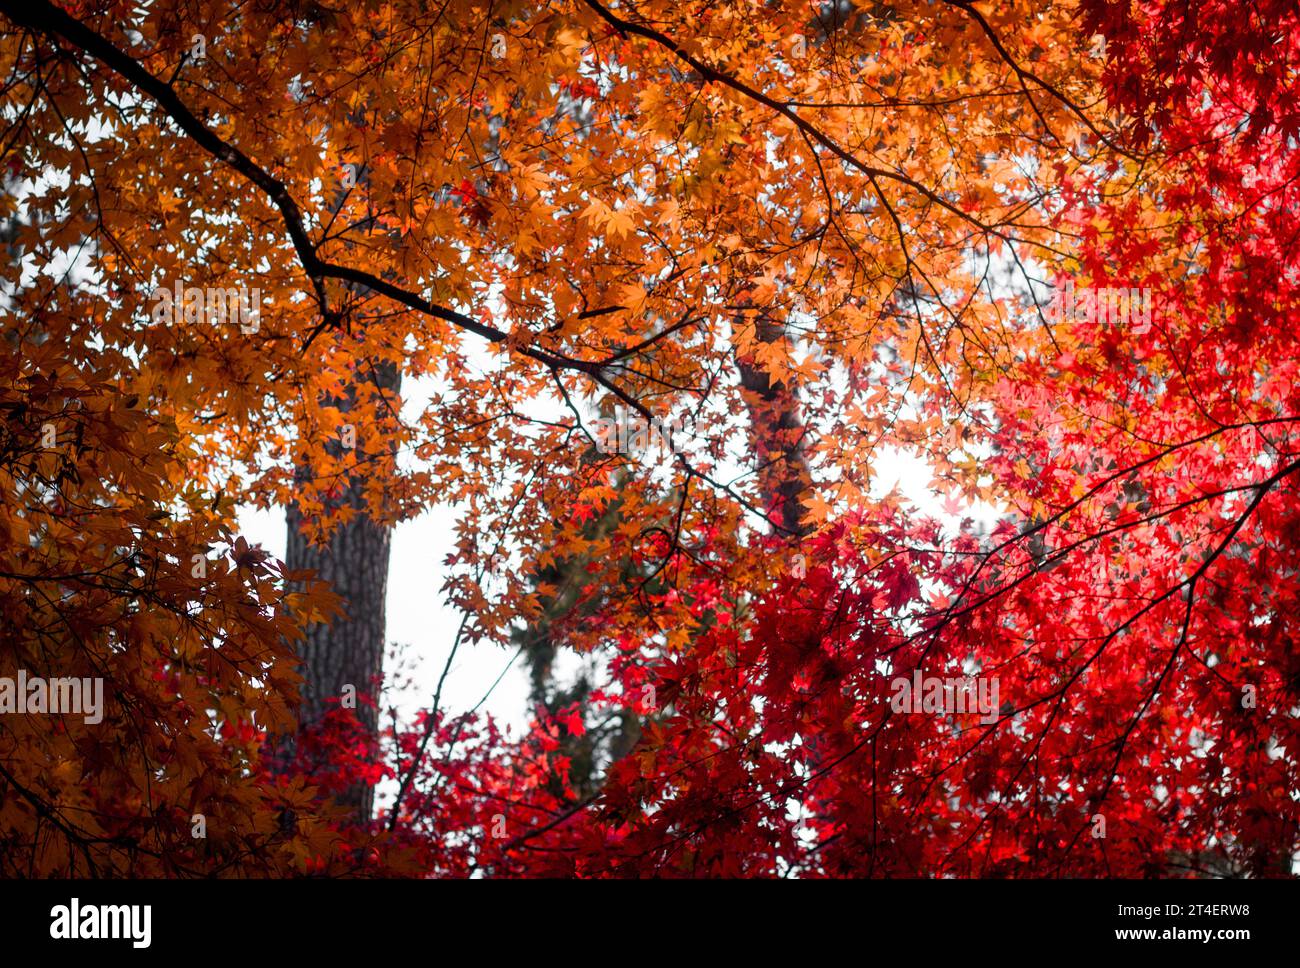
(419,617)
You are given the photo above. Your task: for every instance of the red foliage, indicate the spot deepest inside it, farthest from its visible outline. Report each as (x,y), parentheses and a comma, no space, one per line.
(1137,610)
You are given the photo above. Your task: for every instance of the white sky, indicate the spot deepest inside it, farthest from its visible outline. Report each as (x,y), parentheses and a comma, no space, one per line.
(419,617)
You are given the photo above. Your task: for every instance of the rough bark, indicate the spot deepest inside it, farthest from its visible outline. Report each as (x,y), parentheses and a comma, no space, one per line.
(776,435)
(350,650)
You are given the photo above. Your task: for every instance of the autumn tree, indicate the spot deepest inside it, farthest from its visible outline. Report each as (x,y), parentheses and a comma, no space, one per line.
(806,236)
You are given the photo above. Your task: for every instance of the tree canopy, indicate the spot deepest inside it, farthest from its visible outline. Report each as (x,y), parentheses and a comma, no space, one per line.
(680,277)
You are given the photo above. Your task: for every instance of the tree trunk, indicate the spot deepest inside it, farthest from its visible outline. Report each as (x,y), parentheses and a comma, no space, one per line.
(776,433)
(350,650)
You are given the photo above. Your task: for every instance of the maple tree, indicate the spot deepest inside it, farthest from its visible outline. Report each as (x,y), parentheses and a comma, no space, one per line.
(807,235)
